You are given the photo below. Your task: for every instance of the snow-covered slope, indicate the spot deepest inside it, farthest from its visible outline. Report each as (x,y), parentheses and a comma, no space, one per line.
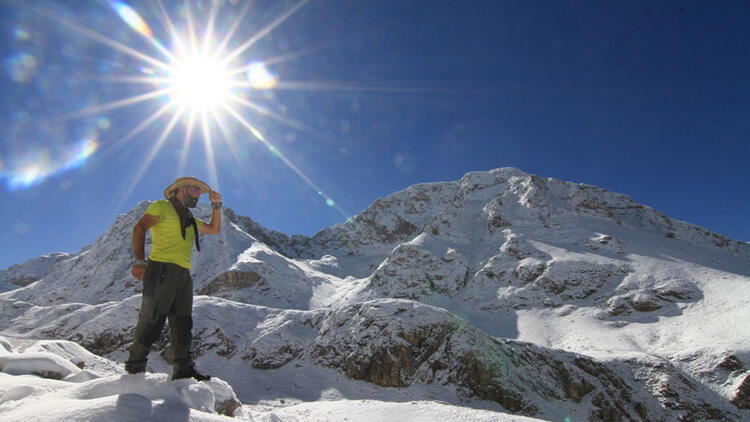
(502,291)
(28,272)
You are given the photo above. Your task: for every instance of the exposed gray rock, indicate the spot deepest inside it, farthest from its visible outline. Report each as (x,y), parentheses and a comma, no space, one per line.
(741,397)
(296,246)
(682,397)
(230,281)
(399,343)
(411,271)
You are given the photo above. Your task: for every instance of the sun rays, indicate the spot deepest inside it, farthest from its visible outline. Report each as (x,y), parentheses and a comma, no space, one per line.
(192,78)
(200,81)
(196,78)
(187,70)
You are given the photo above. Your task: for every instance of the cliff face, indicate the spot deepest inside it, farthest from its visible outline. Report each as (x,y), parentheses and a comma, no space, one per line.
(546,297)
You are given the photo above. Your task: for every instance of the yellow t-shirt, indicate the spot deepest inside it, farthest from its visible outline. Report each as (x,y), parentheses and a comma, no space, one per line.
(167,244)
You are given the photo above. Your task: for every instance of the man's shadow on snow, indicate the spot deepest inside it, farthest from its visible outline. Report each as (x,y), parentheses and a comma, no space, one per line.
(135,407)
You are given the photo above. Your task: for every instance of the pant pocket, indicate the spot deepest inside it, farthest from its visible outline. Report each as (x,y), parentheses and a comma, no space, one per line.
(149,287)
(153,272)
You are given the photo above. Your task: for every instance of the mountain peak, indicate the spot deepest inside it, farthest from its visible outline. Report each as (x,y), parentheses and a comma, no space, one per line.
(444,284)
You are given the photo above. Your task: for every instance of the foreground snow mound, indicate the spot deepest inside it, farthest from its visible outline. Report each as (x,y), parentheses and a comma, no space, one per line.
(53,359)
(114,398)
(45,386)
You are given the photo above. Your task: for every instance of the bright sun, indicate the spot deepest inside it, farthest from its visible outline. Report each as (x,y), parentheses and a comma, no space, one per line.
(203,82)
(199,83)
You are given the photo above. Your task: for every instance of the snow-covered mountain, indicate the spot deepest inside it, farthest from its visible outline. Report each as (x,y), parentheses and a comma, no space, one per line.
(502,291)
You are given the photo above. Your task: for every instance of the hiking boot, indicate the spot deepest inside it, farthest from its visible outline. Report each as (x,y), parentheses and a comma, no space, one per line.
(134,369)
(191,373)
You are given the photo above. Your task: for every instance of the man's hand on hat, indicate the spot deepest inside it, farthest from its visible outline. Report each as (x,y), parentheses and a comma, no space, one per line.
(215,198)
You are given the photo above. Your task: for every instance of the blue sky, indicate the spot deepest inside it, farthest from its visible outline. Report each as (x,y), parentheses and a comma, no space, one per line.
(648,98)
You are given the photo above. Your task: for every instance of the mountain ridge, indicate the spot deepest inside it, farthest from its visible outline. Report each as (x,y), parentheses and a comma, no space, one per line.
(540,263)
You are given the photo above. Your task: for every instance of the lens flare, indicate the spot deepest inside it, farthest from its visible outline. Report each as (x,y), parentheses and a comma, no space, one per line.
(28,175)
(260,77)
(132,18)
(21,67)
(80,154)
(103,123)
(21,34)
(137,23)
(37,165)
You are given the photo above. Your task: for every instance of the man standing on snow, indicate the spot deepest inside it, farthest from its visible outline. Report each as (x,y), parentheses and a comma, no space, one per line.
(167,286)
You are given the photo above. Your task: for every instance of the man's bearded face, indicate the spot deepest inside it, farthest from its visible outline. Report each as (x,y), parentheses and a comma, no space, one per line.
(190,198)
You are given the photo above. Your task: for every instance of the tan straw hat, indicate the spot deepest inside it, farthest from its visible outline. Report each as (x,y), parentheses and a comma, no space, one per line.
(186,181)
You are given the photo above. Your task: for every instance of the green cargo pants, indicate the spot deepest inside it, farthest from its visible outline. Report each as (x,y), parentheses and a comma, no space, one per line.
(167,293)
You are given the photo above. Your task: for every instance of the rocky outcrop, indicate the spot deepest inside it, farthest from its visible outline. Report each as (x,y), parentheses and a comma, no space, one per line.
(296,246)
(723,372)
(396,343)
(414,272)
(230,281)
(644,293)
(527,279)
(263,276)
(682,397)
(741,397)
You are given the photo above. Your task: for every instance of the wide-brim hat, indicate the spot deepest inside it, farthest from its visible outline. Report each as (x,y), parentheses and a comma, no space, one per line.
(181,182)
